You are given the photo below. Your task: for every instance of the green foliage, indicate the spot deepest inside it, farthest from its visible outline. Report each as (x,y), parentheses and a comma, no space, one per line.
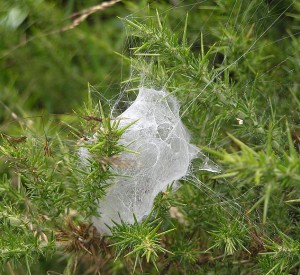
(230,236)
(234,66)
(47,182)
(266,170)
(141,240)
(283,258)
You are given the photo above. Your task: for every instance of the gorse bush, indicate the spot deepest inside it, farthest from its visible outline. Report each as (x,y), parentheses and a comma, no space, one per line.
(234,68)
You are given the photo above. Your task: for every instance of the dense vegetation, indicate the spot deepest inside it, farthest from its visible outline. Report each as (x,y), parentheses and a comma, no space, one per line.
(234,67)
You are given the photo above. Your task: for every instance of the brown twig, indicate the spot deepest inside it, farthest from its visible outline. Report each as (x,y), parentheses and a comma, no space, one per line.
(82,15)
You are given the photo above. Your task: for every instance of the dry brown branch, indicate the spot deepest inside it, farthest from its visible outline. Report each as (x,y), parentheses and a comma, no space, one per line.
(82,15)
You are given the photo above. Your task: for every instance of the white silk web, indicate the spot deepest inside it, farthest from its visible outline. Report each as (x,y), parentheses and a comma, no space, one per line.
(163,155)
(162,144)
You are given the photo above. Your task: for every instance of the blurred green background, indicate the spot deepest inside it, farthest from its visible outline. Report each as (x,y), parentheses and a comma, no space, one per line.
(42,69)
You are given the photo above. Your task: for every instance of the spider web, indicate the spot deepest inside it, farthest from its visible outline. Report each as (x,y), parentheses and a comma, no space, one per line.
(163,155)
(162,144)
